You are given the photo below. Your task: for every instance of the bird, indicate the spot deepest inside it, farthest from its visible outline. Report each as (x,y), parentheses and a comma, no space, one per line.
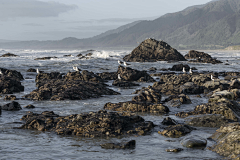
(126,64)
(37,71)
(212,77)
(190,71)
(119,77)
(120,62)
(1,72)
(75,68)
(183,70)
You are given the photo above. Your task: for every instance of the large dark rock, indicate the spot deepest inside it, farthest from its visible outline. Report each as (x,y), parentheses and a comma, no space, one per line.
(227,108)
(228,141)
(194,141)
(129,74)
(44,58)
(149,95)
(191,88)
(11,74)
(10,85)
(9,55)
(169,121)
(13,106)
(60,89)
(108,75)
(10,97)
(176,131)
(123,145)
(92,124)
(179,67)
(196,55)
(124,84)
(177,100)
(83,76)
(152,50)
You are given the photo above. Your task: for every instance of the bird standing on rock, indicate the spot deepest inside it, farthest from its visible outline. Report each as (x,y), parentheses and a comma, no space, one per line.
(119,77)
(212,77)
(126,64)
(190,71)
(76,68)
(183,70)
(37,71)
(120,62)
(1,72)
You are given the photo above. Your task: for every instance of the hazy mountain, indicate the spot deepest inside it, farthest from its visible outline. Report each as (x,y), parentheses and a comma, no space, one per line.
(213,25)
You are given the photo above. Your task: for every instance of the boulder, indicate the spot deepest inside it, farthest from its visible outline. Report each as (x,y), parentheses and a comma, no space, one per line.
(179,67)
(9,55)
(192,54)
(169,121)
(137,107)
(177,100)
(10,97)
(174,150)
(44,58)
(176,131)
(13,106)
(83,76)
(11,74)
(191,88)
(31,70)
(194,141)
(29,106)
(228,141)
(129,74)
(149,95)
(222,94)
(122,83)
(92,124)
(10,85)
(108,75)
(152,50)
(122,145)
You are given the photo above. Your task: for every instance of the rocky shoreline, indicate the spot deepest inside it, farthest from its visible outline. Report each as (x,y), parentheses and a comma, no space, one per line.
(120,119)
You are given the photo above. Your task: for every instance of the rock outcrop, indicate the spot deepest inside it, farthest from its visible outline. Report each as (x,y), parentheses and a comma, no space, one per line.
(13,106)
(92,124)
(122,145)
(9,55)
(152,50)
(201,57)
(194,141)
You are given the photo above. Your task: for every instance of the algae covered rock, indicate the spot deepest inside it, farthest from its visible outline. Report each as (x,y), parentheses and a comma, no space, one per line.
(194,141)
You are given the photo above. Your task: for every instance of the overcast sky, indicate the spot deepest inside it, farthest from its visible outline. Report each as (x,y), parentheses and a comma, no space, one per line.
(58,19)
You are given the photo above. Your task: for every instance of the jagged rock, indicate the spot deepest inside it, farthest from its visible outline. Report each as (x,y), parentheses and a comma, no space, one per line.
(30,106)
(122,83)
(196,55)
(31,70)
(169,121)
(129,74)
(108,75)
(44,58)
(60,89)
(10,97)
(9,55)
(149,95)
(177,100)
(41,78)
(228,141)
(123,145)
(11,74)
(194,141)
(214,121)
(92,124)
(137,107)
(152,50)
(229,109)
(191,88)
(10,85)
(89,54)
(212,85)
(222,94)
(152,69)
(235,84)
(79,55)
(13,106)
(83,76)
(69,55)
(201,79)
(179,67)
(176,131)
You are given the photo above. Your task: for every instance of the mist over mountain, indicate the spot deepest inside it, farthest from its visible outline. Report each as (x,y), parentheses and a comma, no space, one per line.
(210,26)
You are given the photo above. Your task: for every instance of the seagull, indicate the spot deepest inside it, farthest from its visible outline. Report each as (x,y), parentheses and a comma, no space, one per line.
(76,68)
(183,70)
(212,77)
(126,64)
(120,62)
(37,71)
(119,77)
(190,71)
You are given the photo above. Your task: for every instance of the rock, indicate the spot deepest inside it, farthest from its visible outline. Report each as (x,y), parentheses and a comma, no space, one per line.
(228,141)
(89,54)
(222,94)
(31,70)
(169,121)
(13,106)
(194,141)
(69,55)
(177,100)
(149,95)
(213,85)
(79,55)
(44,58)
(9,55)
(229,109)
(152,69)
(108,75)
(152,50)
(11,74)
(84,76)
(213,121)
(30,106)
(191,88)
(176,131)
(137,107)
(192,54)
(123,145)
(10,85)
(129,74)
(179,67)
(92,124)
(235,84)
(174,150)
(42,77)
(10,97)
(122,83)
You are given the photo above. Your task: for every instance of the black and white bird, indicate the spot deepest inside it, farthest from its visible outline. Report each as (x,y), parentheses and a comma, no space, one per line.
(76,69)
(183,70)
(190,71)
(119,77)
(212,77)
(120,62)
(37,71)
(126,64)
(1,72)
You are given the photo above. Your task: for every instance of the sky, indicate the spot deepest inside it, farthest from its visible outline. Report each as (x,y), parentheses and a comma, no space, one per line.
(58,19)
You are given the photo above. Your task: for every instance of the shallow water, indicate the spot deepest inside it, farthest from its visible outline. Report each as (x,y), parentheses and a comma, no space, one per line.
(28,144)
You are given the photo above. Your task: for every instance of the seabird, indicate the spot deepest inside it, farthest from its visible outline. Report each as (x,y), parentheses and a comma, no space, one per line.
(119,77)
(76,68)
(190,71)
(126,64)
(37,71)
(212,77)
(120,62)
(183,70)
